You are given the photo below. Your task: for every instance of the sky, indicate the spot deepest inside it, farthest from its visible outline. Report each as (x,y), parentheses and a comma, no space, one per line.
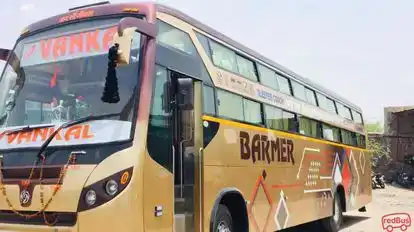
(361,50)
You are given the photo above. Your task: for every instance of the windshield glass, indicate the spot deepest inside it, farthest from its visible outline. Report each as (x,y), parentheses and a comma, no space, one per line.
(58,76)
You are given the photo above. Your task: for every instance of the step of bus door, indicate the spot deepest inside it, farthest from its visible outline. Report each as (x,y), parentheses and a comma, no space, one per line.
(183,222)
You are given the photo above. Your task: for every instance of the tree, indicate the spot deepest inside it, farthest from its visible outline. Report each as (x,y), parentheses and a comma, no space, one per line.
(380,152)
(374,127)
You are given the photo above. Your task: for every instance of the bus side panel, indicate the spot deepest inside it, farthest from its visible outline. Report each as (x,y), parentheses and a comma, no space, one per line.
(286,179)
(360,193)
(158,192)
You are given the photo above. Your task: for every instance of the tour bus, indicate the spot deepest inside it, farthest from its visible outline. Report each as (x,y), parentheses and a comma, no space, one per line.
(137,117)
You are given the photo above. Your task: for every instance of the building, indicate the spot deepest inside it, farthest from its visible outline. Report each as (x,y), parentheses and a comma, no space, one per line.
(399,132)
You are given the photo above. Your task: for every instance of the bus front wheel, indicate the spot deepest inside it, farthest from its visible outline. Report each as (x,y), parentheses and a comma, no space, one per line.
(334,222)
(224,221)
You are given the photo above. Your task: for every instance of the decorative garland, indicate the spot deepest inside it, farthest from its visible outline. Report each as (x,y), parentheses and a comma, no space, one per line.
(62,174)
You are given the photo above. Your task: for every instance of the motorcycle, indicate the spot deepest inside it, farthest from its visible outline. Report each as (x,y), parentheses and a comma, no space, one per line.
(378,181)
(404,180)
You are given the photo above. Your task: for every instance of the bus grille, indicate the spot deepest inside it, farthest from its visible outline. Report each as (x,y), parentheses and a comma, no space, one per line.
(58,218)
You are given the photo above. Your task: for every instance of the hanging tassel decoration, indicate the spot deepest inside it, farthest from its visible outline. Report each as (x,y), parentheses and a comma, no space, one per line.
(110,93)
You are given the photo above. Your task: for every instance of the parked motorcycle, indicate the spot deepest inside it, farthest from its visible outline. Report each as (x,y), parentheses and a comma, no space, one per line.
(404,180)
(378,181)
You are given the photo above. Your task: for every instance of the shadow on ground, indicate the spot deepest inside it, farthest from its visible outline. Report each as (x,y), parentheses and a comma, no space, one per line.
(314,227)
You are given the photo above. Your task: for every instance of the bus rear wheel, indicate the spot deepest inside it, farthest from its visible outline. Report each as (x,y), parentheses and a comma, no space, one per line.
(223,221)
(334,222)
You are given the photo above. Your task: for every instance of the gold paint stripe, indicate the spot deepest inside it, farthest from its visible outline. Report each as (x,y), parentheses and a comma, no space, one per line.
(280,133)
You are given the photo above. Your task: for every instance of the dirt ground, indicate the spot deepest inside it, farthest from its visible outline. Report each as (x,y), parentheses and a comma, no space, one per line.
(385,201)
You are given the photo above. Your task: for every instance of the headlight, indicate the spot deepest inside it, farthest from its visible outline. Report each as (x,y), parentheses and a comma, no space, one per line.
(111,187)
(104,190)
(90,197)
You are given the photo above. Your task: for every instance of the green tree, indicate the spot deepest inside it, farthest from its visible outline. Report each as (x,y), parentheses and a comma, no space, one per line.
(380,152)
(375,127)
(379,149)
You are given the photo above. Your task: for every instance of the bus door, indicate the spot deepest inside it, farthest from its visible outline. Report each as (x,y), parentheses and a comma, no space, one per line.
(187,147)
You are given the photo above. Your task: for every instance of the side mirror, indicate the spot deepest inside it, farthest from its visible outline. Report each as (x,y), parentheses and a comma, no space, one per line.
(125,32)
(119,52)
(185,94)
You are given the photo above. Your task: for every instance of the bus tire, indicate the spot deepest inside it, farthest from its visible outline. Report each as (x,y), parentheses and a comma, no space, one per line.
(334,222)
(223,221)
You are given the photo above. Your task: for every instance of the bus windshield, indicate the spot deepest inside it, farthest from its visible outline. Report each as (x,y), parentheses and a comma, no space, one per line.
(58,76)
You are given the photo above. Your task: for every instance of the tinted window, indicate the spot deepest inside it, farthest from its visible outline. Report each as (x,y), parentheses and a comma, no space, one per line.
(348,113)
(309,127)
(330,106)
(252,112)
(344,111)
(310,96)
(268,77)
(274,118)
(246,68)
(175,38)
(284,86)
(305,126)
(230,105)
(280,120)
(159,129)
(331,133)
(204,42)
(208,100)
(322,101)
(348,137)
(289,122)
(357,117)
(361,140)
(223,57)
(299,91)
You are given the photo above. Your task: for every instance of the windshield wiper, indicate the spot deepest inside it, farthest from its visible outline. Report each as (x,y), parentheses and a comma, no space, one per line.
(69,124)
(27,128)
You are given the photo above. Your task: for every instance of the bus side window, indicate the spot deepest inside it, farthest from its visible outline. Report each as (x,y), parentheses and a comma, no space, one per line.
(159,128)
(361,140)
(290,122)
(209,106)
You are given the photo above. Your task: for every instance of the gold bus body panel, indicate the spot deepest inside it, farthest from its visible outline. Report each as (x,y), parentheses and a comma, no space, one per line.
(223,168)
(304,187)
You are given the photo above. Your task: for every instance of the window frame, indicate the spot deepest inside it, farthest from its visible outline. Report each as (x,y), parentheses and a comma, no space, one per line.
(295,83)
(243,120)
(284,112)
(312,92)
(261,67)
(317,134)
(289,84)
(214,99)
(330,100)
(356,114)
(260,109)
(194,51)
(254,66)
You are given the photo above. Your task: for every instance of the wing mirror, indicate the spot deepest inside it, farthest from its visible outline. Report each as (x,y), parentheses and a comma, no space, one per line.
(125,32)
(119,53)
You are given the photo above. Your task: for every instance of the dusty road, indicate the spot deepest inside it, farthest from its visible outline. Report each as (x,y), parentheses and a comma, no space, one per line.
(385,201)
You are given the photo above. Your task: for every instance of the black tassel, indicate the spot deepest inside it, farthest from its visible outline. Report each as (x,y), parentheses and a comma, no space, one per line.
(111,94)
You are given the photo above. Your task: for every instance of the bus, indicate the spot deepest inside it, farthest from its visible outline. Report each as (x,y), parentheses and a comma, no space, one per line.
(145,119)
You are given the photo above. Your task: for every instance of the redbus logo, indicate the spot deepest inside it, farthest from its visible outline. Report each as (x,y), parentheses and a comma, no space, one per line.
(396,220)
